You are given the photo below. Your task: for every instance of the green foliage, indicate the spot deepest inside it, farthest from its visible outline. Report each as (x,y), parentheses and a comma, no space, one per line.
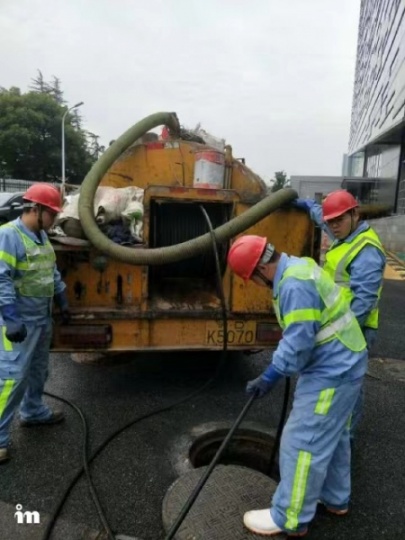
(94,147)
(53,88)
(280,181)
(31,135)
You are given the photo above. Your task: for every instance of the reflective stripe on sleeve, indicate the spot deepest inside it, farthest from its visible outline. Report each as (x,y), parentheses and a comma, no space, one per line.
(8,259)
(302,315)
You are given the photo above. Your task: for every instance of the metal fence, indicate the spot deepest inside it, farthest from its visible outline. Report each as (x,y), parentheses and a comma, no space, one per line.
(13,184)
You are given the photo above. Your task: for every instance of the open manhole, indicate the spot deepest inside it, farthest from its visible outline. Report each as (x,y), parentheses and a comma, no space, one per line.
(249,447)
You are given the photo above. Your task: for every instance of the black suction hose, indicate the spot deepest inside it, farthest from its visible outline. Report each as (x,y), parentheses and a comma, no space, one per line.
(280,426)
(220,287)
(186,508)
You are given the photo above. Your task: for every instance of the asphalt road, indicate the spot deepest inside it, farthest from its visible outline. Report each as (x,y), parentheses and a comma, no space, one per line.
(391,338)
(134,472)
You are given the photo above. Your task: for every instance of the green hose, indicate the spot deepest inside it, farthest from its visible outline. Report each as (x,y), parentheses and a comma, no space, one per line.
(163,255)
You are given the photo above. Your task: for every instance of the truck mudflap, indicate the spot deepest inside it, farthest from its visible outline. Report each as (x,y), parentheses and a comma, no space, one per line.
(165,334)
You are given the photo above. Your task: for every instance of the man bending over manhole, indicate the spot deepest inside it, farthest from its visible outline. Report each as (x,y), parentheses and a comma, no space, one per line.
(323,343)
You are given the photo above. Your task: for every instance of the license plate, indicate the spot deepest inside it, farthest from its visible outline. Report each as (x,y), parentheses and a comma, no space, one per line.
(239,333)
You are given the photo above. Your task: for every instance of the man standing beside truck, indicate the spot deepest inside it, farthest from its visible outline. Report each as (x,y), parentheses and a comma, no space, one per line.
(323,343)
(29,282)
(355,261)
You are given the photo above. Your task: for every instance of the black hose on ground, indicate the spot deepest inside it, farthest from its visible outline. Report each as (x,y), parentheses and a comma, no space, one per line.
(92,489)
(193,496)
(169,254)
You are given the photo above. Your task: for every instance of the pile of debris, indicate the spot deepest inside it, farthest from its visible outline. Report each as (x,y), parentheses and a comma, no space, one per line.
(118,212)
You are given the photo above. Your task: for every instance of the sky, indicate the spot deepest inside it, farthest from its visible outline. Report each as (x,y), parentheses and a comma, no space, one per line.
(272,77)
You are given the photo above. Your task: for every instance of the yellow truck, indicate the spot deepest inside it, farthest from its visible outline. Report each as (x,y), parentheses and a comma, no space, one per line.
(164,294)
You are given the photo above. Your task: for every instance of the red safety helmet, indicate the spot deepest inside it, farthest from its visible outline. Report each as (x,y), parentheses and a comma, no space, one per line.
(245,253)
(337,203)
(45,195)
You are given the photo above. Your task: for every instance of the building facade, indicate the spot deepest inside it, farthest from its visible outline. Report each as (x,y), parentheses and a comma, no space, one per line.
(315,187)
(377,134)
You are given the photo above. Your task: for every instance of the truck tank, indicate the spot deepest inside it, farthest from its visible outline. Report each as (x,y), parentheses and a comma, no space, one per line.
(163,294)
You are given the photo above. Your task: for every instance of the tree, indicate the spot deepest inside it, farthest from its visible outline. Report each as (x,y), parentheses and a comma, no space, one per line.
(39,84)
(30,135)
(280,181)
(76,120)
(95,148)
(56,92)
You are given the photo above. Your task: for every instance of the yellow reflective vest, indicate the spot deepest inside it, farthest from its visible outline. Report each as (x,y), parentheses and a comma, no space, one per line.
(338,259)
(336,319)
(37,279)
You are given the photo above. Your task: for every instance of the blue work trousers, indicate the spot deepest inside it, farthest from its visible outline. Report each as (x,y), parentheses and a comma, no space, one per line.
(315,454)
(23,372)
(370,335)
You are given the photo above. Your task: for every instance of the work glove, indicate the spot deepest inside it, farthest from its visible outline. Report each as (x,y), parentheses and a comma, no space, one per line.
(62,302)
(263,384)
(304,204)
(16,330)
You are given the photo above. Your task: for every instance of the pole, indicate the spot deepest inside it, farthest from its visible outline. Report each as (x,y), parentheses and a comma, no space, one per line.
(63,145)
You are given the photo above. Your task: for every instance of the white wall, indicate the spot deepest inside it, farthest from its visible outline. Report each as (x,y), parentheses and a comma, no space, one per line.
(379,89)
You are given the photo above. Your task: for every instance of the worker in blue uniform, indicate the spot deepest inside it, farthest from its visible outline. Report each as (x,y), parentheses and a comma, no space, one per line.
(323,343)
(355,260)
(29,282)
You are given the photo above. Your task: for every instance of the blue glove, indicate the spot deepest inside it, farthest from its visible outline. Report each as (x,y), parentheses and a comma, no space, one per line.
(304,204)
(263,384)
(62,302)
(16,331)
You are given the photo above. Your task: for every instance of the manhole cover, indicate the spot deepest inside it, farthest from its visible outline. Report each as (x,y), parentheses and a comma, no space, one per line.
(217,514)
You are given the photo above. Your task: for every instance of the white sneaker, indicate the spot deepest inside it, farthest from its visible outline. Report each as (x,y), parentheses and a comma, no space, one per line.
(261,522)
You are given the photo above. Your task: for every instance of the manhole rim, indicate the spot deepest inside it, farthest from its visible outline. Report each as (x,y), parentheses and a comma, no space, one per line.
(180,449)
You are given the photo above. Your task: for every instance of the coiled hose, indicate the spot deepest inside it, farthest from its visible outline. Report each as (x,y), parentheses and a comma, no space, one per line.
(169,254)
